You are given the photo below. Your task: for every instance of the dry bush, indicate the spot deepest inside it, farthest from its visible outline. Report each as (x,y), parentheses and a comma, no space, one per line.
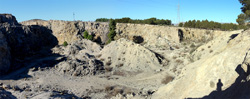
(202,49)
(174,57)
(98,56)
(192,45)
(113,91)
(210,51)
(108,69)
(109,88)
(120,65)
(191,51)
(167,79)
(209,47)
(108,63)
(102,59)
(117,91)
(119,73)
(178,61)
(177,47)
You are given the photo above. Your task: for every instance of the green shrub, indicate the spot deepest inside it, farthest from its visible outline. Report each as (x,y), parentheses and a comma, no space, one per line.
(85,34)
(65,43)
(192,46)
(90,37)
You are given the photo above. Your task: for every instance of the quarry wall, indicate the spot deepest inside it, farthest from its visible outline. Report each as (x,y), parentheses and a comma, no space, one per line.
(73,30)
(153,33)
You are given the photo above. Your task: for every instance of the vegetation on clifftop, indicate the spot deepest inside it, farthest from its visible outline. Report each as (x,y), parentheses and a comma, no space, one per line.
(205,24)
(152,21)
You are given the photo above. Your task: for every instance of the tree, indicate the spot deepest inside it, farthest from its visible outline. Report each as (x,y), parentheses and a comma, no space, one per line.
(181,25)
(241,19)
(102,20)
(112,33)
(245,15)
(246,6)
(112,24)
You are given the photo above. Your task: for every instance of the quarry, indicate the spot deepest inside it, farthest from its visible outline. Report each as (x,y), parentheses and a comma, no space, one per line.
(142,62)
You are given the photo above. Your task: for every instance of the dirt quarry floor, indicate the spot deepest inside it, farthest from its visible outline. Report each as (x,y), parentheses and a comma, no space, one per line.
(122,69)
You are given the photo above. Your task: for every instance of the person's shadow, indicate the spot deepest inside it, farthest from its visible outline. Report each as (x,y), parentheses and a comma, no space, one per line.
(219,85)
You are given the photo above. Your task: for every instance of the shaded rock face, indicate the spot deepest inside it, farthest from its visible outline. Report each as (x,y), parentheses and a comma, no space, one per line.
(8,18)
(22,41)
(4,54)
(71,31)
(26,40)
(6,95)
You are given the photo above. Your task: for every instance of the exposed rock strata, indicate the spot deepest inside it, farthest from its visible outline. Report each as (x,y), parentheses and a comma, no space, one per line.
(155,35)
(71,31)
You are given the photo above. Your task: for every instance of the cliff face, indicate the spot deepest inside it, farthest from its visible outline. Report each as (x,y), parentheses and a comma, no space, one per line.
(19,41)
(8,18)
(161,35)
(4,54)
(151,35)
(71,31)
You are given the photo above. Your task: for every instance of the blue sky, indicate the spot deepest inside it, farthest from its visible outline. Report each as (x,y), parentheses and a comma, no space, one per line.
(88,10)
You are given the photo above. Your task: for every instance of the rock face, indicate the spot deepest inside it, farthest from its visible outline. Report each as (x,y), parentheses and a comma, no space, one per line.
(4,54)
(224,66)
(22,41)
(8,18)
(71,31)
(154,35)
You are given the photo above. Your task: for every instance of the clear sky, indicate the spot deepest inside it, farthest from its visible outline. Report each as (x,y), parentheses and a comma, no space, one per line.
(88,10)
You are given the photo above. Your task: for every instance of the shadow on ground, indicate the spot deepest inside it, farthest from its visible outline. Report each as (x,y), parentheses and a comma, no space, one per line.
(6,95)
